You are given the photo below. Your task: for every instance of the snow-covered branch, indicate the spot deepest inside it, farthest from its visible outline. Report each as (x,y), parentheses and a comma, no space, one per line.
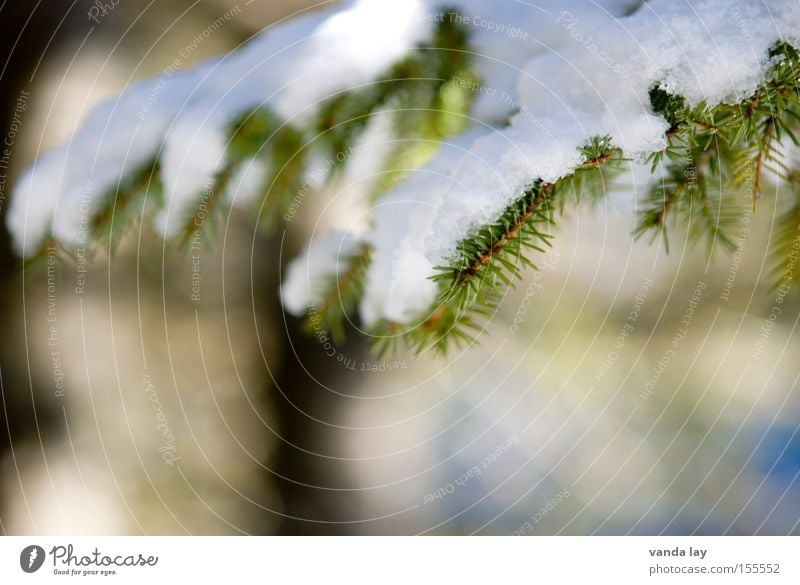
(551,88)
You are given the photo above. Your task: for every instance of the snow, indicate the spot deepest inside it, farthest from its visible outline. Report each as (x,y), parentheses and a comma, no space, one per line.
(397,287)
(564,71)
(367,158)
(289,69)
(62,188)
(577,92)
(306,278)
(506,34)
(713,51)
(247,182)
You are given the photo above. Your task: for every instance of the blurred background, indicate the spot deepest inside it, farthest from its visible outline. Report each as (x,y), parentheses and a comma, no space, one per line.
(619,390)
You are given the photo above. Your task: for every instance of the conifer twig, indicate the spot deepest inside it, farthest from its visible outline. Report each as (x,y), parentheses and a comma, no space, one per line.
(763,152)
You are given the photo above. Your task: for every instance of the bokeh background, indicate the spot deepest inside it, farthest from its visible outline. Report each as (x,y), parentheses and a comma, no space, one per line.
(619,390)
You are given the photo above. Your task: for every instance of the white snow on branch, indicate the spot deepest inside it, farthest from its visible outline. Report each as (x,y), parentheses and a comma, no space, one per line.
(307,278)
(713,51)
(505,35)
(289,69)
(700,50)
(397,285)
(58,195)
(183,117)
(565,71)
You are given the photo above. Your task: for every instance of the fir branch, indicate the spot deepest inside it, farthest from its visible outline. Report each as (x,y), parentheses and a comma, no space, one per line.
(420,82)
(683,182)
(117,211)
(703,143)
(763,152)
(204,217)
(343,289)
(491,261)
(498,243)
(516,229)
(786,240)
(427,95)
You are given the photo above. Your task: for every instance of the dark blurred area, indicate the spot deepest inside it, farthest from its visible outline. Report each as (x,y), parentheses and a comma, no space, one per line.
(59,44)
